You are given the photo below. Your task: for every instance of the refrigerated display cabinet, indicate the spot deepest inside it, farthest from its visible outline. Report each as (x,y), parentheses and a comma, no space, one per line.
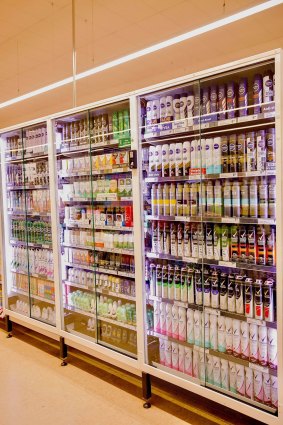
(95,212)
(210,158)
(30,289)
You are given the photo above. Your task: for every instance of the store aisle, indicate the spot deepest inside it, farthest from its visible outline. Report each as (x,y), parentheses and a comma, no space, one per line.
(36,390)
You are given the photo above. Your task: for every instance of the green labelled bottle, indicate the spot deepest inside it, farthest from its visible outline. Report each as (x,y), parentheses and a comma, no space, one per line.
(115,124)
(126,123)
(217,242)
(225,243)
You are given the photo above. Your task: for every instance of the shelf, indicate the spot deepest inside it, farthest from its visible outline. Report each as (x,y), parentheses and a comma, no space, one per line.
(102,198)
(116,348)
(242,398)
(228,264)
(27,157)
(176,373)
(241,317)
(91,248)
(28,187)
(216,353)
(33,296)
(77,285)
(86,147)
(77,310)
(204,219)
(30,244)
(117,170)
(203,123)
(40,276)
(115,322)
(98,227)
(115,294)
(28,213)
(198,177)
(176,303)
(81,334)
(100,291)
(101,270)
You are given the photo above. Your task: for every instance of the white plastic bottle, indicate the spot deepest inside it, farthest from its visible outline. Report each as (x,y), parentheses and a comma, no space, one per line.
(175,322)
(169,319)
(162,318)
(190,326)
(182,324)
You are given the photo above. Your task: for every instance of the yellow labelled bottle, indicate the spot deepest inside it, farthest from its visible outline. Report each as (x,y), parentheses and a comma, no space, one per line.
(173,201)
(271,197)
(202,198)
(270,246)
(154,205)
(160,204)
(244,198)
(165,160)
(166,238)
(166,199)
(241,152)
(186,158)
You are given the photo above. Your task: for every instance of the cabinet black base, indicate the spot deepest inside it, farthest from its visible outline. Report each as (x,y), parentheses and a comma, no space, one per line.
(9,335)
(64,363)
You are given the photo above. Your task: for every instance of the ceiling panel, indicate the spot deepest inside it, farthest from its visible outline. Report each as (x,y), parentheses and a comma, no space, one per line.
(36,44)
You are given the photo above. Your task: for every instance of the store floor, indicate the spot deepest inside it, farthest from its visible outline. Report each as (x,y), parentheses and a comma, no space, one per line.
(35,389)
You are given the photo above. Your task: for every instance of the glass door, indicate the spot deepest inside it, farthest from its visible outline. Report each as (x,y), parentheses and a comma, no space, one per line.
(239,215)
(29,261)
(96,221)
(173,231)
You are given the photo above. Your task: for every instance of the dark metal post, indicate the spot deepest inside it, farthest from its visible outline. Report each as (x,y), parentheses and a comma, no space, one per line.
(146,389)
(63,351)
(9,326)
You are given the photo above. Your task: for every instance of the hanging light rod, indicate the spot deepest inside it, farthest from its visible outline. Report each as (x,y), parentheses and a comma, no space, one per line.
(151,49)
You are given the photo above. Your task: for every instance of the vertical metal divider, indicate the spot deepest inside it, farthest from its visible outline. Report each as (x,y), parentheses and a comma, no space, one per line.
(279,228)
(25,217)
(138,232)
(3,224)
(55,230)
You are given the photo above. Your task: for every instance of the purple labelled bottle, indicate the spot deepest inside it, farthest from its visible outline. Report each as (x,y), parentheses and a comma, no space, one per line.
(241,152)
(243,97)
(270,148)
(213,99)
(205,101)
(190,104)
(222,101)
(231,99)
(257,93)
(268,94)
(225,154)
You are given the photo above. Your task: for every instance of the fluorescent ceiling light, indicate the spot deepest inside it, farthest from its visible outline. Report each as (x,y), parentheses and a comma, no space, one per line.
(151,49)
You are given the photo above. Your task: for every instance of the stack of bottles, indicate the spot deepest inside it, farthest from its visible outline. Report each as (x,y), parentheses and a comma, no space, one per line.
(37,286)
(31,231)
(118,262)
(115,335)
(124,313)
(253,151)
(31,201)
(98,129)
(247,244)
(103,215)
(108,240)
(84,301)
(220,101)
(248,295)
(33,173)
(255,198)
(33,261)
(47,314)
(84,188)
(104,162)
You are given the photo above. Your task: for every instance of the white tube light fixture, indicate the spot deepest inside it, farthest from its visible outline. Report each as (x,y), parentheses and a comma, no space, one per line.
(151,49)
